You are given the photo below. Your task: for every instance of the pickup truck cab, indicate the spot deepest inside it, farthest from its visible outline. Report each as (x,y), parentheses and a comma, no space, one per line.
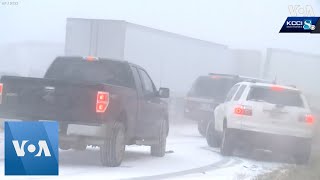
(100,102)
(263,116)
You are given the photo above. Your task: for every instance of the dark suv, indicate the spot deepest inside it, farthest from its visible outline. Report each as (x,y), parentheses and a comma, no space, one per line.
(206,93)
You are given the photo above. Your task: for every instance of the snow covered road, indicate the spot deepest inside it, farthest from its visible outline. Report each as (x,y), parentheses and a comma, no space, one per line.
(188,157)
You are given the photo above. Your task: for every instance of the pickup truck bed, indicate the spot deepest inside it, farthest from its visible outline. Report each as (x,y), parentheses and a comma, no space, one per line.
(95,101)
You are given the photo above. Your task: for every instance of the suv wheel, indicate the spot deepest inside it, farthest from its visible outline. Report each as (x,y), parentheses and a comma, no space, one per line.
(227,145)
(202,127)
(159,149)
(212,138)
(112,151)
(303,156)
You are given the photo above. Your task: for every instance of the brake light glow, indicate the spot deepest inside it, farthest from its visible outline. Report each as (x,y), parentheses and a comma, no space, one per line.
(90,58)
(243,110)
(102,101)
(276,88)
(215,77)
(309,119)
(1,89)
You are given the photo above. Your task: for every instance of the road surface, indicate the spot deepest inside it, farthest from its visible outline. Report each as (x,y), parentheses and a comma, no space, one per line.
(188,157)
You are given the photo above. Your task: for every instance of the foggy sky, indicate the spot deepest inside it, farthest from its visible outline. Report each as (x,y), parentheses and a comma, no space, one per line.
(239,24)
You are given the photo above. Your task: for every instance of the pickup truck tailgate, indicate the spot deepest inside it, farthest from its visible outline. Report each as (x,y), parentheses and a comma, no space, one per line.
(35,98)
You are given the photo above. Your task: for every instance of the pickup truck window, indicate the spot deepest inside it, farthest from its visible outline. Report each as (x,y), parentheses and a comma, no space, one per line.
(104,71)
(148,86)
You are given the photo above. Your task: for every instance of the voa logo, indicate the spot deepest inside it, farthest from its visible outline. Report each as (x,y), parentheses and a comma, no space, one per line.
(42,148)
(31,148)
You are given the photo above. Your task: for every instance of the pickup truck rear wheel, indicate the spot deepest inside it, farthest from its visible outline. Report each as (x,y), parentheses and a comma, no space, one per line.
(159,149)
(112,151)
(211,135)
(227,145)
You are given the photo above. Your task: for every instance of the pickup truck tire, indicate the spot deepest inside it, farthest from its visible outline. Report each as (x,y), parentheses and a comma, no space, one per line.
(202,127)
(211,135)
(159,150)
(227,146)
(112,151)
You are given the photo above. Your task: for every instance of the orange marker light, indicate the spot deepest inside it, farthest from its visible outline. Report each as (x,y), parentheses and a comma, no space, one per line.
(90,58)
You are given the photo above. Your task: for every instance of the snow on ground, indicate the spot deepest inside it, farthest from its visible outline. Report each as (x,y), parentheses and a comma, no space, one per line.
(188,157)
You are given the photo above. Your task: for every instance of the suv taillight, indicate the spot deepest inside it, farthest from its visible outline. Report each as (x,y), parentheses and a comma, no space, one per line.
(102,101)
(1,89)
(309,119)
(243,110)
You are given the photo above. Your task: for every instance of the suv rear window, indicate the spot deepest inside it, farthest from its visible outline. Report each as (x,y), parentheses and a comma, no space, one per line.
(284,97)
(208,87)
(102,71)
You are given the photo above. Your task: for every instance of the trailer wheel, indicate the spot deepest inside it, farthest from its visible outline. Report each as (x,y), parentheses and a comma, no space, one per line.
(112,151)
(159,149)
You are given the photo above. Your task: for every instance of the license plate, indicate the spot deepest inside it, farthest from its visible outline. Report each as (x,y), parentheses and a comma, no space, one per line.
(276,115)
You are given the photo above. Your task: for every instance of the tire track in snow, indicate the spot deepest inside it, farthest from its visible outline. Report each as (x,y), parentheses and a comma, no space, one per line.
(211,167)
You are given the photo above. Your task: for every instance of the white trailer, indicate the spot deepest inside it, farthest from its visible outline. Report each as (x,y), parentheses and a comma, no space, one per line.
(246,62)
(295,68)
(172,60)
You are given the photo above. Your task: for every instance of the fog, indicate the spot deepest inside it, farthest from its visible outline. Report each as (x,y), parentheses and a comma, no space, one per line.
(252,25)
(245,24)
(176,42)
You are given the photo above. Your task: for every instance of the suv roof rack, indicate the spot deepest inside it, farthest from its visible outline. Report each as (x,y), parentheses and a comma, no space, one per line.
(220,74)
(291,85)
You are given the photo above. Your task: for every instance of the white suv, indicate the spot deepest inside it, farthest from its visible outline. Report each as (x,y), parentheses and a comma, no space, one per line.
(263,116)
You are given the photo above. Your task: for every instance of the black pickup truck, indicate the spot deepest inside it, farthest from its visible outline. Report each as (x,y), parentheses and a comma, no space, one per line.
(99,102)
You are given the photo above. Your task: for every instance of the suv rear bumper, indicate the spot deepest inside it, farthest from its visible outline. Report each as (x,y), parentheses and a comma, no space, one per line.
(268,141)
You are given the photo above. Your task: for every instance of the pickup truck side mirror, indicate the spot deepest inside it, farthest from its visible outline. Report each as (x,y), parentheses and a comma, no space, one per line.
(164,92)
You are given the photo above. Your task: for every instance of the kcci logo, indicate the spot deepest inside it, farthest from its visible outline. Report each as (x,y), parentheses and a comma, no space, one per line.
(308,25)
(31,148)
(301,25)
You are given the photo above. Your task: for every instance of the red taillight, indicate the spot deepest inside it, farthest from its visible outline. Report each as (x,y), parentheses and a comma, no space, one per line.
(215,77)
(309,119)
(243,110)
(1,88)
(102,96)
(101,107)
(276,88)
(102,102)
(91,58)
